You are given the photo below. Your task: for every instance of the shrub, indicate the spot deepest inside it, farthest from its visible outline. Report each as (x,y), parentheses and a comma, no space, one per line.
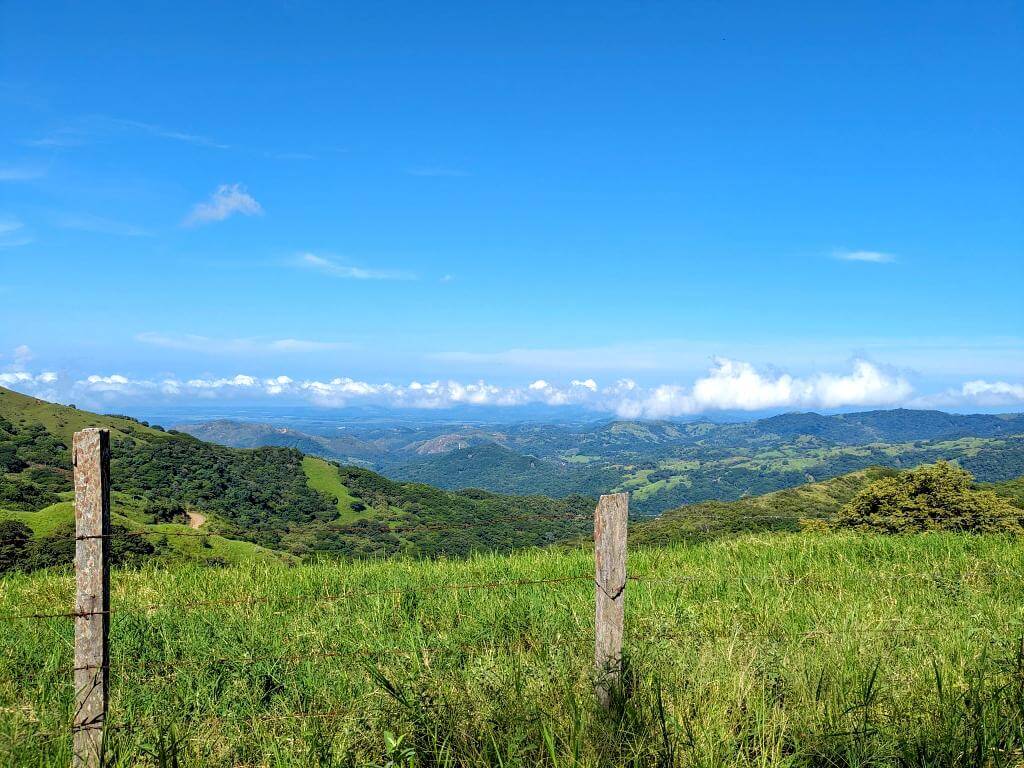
(15,538)
(933,497)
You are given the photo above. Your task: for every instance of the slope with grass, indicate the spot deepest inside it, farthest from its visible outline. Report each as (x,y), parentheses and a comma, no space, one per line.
(323,477)
(768,650)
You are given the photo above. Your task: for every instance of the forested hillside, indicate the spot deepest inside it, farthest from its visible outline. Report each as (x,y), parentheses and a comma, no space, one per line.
(664,464)
(258,503)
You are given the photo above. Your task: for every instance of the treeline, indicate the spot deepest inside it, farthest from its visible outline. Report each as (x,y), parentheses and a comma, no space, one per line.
(19,551)
(420,520)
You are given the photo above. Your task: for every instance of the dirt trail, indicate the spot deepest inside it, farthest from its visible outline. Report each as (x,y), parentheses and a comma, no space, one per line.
(195,519)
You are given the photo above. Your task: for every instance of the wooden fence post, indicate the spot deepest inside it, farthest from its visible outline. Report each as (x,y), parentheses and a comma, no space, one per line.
(610,519)
(91,459)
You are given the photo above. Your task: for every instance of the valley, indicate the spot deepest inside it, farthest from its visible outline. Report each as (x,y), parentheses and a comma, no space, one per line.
(663,464)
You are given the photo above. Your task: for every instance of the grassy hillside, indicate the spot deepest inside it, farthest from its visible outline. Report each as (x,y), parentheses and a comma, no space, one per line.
(768,651)
(323,477)
(62,421)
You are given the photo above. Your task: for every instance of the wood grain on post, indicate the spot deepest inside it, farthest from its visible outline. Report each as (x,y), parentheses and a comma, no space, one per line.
(610,519)
(91,459)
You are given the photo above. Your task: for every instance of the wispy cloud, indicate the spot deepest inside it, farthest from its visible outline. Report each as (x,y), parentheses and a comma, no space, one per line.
(347,271)
(12,233)
(437,171)
(89,223)
(239,346)
(228,200)
(161,132)
(872,257)
(90,128)
(21,172)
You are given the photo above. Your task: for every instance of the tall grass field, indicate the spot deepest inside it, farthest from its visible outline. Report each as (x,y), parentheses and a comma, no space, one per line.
(783,650)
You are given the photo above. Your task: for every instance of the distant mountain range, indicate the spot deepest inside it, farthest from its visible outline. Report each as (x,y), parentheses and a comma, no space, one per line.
(663,463)
(192,499)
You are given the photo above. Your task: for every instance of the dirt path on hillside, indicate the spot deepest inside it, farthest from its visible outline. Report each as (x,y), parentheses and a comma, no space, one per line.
(195,519)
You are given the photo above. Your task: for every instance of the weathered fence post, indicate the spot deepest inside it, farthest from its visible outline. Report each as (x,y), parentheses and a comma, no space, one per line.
(610,520)
(91,459)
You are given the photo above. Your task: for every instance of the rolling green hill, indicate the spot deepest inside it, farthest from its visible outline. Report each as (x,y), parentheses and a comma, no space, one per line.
(664,464)
(258,502)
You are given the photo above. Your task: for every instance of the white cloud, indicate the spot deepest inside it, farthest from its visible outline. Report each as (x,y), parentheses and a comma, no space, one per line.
(242,346)
(729,385)
(874,257)
(738,386)
(334,269)
(228,200)
(994,392)
(977,393)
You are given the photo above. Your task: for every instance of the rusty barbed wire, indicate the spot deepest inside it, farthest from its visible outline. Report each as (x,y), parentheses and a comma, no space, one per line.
(260,600)
(351,593)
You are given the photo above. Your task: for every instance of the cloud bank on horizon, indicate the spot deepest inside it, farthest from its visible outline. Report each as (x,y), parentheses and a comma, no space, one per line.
(729,385)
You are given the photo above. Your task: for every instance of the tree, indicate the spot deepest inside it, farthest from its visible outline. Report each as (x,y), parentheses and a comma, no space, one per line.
(15,538)
(933,497)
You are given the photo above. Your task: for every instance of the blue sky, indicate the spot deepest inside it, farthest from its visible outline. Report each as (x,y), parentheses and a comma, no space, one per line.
(753,201)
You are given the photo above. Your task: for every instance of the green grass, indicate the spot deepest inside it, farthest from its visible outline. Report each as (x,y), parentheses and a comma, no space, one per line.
(323,476)
(64,421)
(45,520)
(761,651)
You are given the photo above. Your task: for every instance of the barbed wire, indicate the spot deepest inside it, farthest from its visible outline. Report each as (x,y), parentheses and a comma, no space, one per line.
(351,593)
(404,524)
(290,600)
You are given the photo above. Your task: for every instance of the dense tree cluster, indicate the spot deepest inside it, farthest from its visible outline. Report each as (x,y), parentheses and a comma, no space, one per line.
(936,497)
(260,493)
(19,551)
(24,484)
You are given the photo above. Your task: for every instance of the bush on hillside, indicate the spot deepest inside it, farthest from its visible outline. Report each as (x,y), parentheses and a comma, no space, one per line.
(934,497)
(15,494)
(166,511)
(15,538)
